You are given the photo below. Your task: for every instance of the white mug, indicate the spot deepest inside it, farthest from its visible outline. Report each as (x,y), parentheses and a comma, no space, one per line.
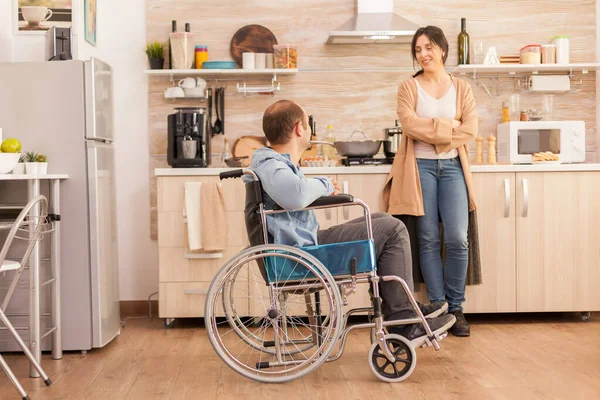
(174,92)
(248,60)
(35,15)
(260,61)
(201,84)
(187,83)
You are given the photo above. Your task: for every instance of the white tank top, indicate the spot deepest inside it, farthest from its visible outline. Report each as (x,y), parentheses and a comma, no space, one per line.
(430,107)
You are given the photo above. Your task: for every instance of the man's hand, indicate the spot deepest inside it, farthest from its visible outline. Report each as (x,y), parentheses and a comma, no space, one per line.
(455,123)
(336,188)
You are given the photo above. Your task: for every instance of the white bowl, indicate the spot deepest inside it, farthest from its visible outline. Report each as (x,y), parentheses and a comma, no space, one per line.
(8,162)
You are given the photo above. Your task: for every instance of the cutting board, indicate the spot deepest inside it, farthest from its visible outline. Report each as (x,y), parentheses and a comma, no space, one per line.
(245,146)
(251,38)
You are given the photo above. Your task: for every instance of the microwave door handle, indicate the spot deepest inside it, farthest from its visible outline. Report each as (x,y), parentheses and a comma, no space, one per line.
(525,198)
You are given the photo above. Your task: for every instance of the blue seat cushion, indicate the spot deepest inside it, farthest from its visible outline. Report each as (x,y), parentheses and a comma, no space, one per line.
(336,257)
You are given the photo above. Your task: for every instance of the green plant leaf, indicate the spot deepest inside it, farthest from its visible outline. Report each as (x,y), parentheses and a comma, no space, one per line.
(155,50)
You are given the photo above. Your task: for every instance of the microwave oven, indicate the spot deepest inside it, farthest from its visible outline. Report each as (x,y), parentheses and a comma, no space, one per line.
(518,140)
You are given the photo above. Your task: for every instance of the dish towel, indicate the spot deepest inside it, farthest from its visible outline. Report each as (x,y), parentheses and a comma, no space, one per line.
(214,218)
(191,211)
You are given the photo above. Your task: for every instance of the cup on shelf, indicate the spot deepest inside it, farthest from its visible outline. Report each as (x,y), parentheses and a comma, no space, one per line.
(269,61)
(260,61)
(187,83)
(248,60)
(194,92)
(201,83)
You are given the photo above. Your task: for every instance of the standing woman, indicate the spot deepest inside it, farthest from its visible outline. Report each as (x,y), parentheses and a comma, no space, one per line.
(431,177)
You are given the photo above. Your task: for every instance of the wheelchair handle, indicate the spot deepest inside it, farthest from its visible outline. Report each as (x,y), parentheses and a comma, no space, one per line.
(236,173)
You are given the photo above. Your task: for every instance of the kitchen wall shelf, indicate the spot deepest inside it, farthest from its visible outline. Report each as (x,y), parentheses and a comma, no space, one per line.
(219,72)
(514,69)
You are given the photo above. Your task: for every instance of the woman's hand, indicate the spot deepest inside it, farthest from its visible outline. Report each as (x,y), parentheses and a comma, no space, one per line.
(455,123)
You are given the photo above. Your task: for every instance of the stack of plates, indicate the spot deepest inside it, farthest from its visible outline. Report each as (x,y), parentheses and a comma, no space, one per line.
(219,65)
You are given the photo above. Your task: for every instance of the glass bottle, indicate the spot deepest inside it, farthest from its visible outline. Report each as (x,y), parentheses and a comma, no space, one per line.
(173,29)
(505,112)
(463,43)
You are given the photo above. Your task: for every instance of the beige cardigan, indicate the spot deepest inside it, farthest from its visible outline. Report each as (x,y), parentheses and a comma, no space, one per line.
(402,192)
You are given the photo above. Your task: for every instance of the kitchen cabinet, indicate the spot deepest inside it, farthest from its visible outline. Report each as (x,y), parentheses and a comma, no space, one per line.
(496,218)
(558,246)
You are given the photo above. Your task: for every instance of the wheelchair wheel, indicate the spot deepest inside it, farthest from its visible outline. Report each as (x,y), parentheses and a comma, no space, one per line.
(290,341)
(405,359)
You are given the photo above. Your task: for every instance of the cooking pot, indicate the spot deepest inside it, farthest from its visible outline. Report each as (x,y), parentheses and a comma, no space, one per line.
(392,142)
(354,148)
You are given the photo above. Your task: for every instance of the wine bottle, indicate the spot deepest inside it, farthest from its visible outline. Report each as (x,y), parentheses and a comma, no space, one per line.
(187,26)
(173,29)
(463,43)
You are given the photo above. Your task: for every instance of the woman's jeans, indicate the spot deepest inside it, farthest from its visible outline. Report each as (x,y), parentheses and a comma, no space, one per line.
(445,199)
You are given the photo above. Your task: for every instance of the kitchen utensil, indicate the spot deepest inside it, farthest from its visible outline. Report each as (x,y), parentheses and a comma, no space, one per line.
(188,147)
(222,114)
(354,148)
(392,142)
(217,128)
(251,38)
(246,145)
(209,125)
(236,162)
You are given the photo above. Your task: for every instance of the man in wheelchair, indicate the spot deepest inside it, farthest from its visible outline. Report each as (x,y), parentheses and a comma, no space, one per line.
(285,125)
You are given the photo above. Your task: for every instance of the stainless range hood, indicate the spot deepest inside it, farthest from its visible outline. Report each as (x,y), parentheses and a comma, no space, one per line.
(375,22)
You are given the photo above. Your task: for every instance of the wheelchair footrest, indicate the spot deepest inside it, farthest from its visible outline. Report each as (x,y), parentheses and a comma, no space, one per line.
(263,365)
(269,344)
(428,341)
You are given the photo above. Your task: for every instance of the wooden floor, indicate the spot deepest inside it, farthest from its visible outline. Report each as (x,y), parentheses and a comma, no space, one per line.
(507,357)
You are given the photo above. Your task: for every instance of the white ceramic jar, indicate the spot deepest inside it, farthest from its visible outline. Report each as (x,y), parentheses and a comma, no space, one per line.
(562,49)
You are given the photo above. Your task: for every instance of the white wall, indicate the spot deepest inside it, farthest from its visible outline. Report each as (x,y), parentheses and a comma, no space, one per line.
(120,41)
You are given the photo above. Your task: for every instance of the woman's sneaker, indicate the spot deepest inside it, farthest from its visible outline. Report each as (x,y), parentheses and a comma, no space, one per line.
(435,309)
(416,332)
(461,327)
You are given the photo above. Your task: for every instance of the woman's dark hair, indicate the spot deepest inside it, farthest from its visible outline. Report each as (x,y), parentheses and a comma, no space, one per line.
(436,37)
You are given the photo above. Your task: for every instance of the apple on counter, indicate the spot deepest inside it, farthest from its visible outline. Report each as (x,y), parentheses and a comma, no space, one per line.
(10,152)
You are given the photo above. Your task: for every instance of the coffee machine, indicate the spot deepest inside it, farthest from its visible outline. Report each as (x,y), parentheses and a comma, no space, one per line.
(188,143)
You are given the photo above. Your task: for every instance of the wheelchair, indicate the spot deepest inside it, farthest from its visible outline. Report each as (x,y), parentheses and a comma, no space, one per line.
(274,313)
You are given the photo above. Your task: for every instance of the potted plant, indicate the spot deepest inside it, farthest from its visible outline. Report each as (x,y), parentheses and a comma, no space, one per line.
(42,162)
(19,169)
(156,55)
(31,165)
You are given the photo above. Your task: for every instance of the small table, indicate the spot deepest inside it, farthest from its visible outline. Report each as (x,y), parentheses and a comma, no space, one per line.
(35,336)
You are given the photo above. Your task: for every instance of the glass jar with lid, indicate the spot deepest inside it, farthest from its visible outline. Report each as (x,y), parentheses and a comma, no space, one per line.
(531,54)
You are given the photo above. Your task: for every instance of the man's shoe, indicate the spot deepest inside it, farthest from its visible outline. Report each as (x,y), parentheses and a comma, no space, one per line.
(416,332)
(433,310)
(461,327)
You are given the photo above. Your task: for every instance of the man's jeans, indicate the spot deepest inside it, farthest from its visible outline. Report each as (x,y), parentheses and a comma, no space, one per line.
(445,198)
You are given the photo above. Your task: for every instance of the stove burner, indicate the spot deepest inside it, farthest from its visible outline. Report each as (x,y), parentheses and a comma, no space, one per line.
(348,161)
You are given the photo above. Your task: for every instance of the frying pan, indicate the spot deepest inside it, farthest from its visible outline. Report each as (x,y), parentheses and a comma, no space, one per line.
(354,148)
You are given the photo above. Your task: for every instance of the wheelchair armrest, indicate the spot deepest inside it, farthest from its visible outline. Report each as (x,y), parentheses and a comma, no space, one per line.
(332,200)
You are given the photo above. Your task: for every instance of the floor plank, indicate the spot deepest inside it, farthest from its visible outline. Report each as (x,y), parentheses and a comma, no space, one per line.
(536,356)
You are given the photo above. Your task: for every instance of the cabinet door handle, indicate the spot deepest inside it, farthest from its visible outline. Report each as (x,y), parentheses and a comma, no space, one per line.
(345,191)
(195,291)
(525,198)
(506,198)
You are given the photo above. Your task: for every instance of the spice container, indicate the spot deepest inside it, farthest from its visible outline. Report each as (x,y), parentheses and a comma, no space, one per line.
(548,54)
(505,112)
(562,49)
(182,49)
(478,150)
(491,156)
(523,115)
(285,56)
(201,55)
(531,54)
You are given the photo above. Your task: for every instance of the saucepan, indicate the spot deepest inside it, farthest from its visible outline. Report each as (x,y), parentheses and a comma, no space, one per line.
(354,148)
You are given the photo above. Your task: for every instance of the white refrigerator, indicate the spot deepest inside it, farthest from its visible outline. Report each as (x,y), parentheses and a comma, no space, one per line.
(64,109)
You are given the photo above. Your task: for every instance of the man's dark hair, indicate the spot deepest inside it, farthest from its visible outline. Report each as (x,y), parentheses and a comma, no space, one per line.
(280,119)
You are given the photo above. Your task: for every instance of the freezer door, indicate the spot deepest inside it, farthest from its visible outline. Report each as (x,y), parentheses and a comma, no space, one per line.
(103,242)
(99,100)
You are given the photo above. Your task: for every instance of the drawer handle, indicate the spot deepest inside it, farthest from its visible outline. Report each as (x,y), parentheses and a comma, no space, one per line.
(195,291)
(328,214)
(202,256)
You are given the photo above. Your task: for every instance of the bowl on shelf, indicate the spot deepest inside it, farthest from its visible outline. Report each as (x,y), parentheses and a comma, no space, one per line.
(219,65)
(8,161)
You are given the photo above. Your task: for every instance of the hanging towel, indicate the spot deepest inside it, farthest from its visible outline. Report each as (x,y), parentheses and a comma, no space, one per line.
(191,210)
(214,219)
